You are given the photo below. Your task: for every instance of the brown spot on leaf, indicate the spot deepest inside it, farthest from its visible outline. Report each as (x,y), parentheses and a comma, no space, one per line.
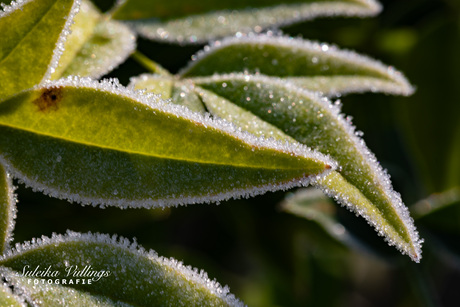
(49,99)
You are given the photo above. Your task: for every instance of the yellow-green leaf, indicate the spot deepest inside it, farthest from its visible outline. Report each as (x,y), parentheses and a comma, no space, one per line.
(360,183)
(96,45)
(115,271)
(100,143)
(31,41)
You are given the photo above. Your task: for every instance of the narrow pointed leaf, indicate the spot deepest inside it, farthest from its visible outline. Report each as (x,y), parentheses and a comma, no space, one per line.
(31,41)
(96,45)
(100,143)
(123,273)
(311,65)
(183,22)
(7,297)
(361,184)
(7,209)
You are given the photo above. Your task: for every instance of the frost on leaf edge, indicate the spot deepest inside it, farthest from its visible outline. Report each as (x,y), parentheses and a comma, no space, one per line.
(190,273)
(381,175)
(403,85)
(155,103)
(310,12)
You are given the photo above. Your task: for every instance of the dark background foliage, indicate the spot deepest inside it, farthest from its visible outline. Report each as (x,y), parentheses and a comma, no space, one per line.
(271,258)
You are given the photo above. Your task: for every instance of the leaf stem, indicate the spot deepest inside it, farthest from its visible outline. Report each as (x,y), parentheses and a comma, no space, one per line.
(149,64)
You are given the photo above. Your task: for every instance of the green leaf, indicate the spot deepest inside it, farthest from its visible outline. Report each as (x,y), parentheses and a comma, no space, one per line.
(31,41)
(7,297)
(225,109)
(180,92)
(96,45)
(311,65)
(120,273)
(155,84)
(100,143)
(7,209)
(360,183)
(183,22)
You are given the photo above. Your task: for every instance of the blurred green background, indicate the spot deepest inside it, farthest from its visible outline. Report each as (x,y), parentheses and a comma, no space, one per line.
(271,258)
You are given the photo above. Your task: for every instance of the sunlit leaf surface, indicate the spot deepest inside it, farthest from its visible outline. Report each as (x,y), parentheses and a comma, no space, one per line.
(360,183)
(96,45)
(31,41)
(100,143)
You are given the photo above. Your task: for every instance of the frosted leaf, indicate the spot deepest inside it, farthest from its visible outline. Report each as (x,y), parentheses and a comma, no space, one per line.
(179,92)
(311,65)
(360,183)
(155,84)
(121,147)
(40,292)
(225,109)
(214,19)
(32,39)
(7,209)
(7,297)
(118,271)
(96,45)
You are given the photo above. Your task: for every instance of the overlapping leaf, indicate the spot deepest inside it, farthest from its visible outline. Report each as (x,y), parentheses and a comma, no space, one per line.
(103,144)
(96,45)
(121,274)
(31,41)
(361,184)
(184,22)
(314,66)
(7,209)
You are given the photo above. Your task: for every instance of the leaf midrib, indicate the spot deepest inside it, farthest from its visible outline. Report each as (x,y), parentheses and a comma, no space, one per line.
(132,152)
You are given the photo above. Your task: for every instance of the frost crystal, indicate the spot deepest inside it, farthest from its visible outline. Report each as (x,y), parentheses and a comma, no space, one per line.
(354,147)
(131,264)
(59,49)
(382,78)
(207,26)
(141,198)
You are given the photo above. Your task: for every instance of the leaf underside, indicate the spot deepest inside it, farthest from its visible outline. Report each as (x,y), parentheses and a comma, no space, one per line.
(185,23)
(310,65)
